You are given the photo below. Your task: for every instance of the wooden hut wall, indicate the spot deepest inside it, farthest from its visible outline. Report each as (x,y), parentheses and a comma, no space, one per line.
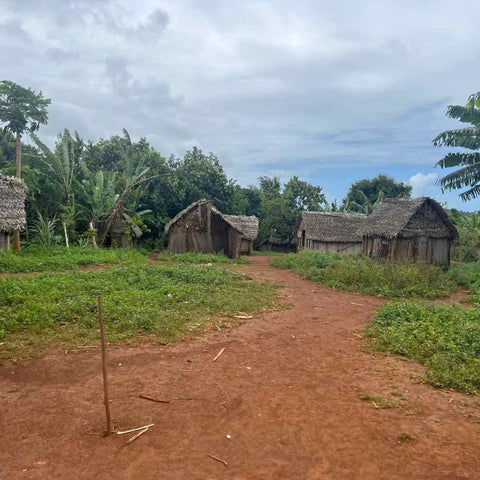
(346,248)
(4,241)
(413,249)
(246,246)
(220,234)
(192,232)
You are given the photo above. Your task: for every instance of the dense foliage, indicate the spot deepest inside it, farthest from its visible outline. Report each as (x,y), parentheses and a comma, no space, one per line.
(468,274)
(446,338)
(467,164)
(359,274)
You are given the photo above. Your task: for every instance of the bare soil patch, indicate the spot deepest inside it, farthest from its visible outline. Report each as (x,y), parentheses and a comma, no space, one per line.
(287,390)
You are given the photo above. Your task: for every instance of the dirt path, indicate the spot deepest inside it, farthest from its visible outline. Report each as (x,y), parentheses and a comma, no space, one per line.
(286,390)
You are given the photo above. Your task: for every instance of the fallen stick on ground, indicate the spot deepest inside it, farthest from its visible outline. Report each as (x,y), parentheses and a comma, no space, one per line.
(135,429)
(131,440)
(218,459)
(218,354)
(246,317)
(158,400)
(359,304)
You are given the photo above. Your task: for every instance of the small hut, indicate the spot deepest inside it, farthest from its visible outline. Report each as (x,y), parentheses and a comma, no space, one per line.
(409,230)
(248,224)
(274,244)
(202,228)
(122,234)
(332,232)
(12,208)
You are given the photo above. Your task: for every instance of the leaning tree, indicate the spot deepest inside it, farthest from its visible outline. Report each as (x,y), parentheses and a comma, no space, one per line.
(467,174)
(21,110)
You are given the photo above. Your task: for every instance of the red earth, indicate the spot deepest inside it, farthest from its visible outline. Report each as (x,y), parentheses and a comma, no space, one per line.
(283,401)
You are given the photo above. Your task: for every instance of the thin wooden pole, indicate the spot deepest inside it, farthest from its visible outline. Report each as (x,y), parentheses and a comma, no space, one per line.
(104,367)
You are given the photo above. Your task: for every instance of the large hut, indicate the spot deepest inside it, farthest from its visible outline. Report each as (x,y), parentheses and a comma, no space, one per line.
(409,230)
(333,232)
(202,228)
(12,208)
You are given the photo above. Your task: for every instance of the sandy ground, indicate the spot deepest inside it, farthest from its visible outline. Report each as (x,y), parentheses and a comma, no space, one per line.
(282,402)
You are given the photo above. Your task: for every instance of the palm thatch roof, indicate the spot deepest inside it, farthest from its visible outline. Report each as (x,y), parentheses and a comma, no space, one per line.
(331,226)
(392,216)
(237,222)
(247,224)
(12,204)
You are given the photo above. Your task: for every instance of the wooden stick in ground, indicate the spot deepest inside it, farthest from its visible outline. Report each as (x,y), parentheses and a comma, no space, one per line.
(218,354)
(104,366)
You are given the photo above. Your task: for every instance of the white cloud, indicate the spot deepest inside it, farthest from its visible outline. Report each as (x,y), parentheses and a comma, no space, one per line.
(422,183)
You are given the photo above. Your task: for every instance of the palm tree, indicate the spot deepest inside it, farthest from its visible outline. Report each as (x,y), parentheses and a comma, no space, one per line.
(21,109)
(468,174)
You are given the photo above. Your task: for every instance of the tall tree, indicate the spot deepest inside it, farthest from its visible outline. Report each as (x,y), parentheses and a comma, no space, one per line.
(468,173)
(364,194)
(21,109)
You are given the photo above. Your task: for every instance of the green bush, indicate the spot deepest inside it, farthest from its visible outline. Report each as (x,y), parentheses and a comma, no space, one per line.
(359,274)
(446,338)
(468,274)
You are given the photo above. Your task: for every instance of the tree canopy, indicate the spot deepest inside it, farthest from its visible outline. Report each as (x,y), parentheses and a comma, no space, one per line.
(364,195)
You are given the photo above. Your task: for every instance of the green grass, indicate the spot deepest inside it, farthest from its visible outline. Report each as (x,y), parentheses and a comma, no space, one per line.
(446,338)
(36,259)
(379,402)
(199,258)
(359,274)
(161,302)
(468,274)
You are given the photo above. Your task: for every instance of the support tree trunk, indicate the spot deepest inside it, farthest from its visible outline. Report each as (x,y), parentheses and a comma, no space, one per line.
(18,174)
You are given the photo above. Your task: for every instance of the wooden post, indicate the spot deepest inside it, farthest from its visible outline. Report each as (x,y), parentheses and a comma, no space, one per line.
(104,367)
(18,173)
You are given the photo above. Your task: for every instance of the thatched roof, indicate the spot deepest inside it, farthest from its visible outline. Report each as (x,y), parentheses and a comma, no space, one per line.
(331,226)
(393,214)
(247,224)
(12,204)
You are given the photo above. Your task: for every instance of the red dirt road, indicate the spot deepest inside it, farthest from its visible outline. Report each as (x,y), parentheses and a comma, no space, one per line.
(286,390)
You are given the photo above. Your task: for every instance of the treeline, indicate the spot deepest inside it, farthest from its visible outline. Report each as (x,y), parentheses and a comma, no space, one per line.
(74,189)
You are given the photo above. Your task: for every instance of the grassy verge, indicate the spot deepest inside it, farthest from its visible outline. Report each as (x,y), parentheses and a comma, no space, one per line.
(35,259)
(198,258)
(446,338)
(162,302)
(359,274)
(468,274)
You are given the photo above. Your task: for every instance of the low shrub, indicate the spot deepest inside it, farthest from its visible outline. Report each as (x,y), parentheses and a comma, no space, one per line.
(39,259)
(446,338)
(468,274)
(199,258)
(359,274)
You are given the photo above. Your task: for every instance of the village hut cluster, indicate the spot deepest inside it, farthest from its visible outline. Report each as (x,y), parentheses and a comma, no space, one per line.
(12,208)
(399,229)
(202,228)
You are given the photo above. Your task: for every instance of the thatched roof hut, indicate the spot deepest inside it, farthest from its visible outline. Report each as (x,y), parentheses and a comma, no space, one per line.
(200,227)
(12,208)
(122,234)
(334,232)
(409,229)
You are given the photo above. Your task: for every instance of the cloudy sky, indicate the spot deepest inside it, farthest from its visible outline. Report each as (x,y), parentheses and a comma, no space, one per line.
(329,90)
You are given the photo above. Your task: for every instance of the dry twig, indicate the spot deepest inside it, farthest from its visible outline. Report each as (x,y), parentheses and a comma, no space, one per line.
(218,459)
(158,400)
(218,354)
(132,439)
(135,429)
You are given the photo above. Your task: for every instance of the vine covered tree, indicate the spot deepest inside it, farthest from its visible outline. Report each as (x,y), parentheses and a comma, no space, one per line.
(21,110)
(467,174)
